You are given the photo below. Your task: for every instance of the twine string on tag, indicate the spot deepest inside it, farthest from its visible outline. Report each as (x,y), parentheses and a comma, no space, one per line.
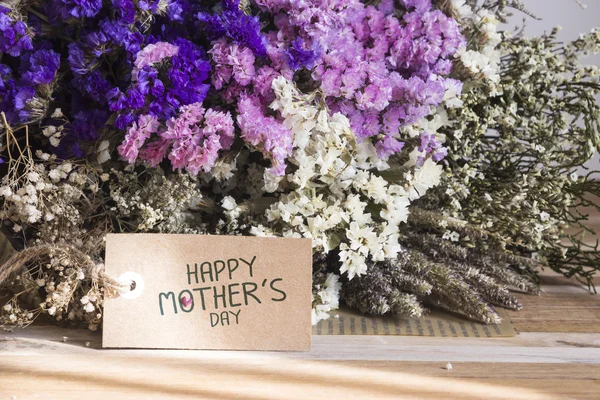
(37,255)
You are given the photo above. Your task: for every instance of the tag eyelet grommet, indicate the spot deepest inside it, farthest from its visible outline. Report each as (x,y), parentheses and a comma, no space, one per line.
(134,285)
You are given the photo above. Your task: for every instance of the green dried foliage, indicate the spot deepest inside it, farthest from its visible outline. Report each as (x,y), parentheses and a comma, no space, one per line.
(502,9)
(515,148)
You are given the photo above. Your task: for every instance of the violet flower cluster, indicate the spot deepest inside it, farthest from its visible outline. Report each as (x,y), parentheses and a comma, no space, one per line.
(179,80)
(14,38)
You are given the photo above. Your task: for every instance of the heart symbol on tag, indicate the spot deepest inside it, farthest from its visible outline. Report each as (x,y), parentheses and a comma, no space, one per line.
(186,302)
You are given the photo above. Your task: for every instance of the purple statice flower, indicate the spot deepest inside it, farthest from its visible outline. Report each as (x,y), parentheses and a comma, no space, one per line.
(39,67)
(195,137)
(126,9)
(299,57)
(420,6)
(380,71)
(184,70)
(425,40)
(265,133)
(18,90)
(388,146)
(122,36)
(94,85)
(81,133)
(188,73)
(88,124)
(68,9)
(14,38)
(431,145)
(84,57)
(235,25)
(176,10)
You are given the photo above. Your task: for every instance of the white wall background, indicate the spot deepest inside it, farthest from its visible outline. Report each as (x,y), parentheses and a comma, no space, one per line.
(571,17)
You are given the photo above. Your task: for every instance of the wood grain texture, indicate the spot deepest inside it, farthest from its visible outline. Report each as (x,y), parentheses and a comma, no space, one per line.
(245,377)
(563,306)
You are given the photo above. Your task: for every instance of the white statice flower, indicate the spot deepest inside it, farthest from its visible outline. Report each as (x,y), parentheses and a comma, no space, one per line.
(544,216)
(103,153)
(57,113)
(425,178)
(230,206)
(89,307)
(48,131)
(485,60)
(451,235)
(326,299)
(7,307)
(453,91)
(224,169)
(353,262)
(463,10)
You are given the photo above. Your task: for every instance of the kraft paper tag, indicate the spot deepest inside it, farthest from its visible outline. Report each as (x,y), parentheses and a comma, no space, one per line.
(209,292)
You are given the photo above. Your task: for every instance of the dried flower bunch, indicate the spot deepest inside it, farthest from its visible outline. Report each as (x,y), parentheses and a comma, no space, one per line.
(429,156)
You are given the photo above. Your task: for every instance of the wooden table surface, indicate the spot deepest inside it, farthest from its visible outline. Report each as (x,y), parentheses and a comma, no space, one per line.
(556,356)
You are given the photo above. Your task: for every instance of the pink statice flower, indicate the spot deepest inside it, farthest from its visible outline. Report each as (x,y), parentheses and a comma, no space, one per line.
(231,60)
(191,141)
(265,133)
(152,54)
(136,136)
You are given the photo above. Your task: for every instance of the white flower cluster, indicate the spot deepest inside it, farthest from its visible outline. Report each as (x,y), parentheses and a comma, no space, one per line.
(483,59)
(153,202)
(326,297)
(70,295)
(50,195)
(334,194)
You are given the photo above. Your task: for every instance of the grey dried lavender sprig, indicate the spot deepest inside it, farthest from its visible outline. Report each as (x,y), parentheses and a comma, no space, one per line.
(491,290)
(402,286)
(428,219)
(493,263)
(450,290)
(380,290)
(474,255)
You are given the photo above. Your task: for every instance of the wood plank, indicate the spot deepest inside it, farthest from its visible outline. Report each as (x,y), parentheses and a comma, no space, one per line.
(532,348)
(566,326)
(162,377)
(563,306)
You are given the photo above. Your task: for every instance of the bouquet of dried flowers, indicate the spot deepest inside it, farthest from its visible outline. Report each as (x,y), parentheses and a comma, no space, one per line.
(429,156)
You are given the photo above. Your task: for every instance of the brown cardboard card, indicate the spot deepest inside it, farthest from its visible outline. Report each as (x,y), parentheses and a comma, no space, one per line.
(209,292)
